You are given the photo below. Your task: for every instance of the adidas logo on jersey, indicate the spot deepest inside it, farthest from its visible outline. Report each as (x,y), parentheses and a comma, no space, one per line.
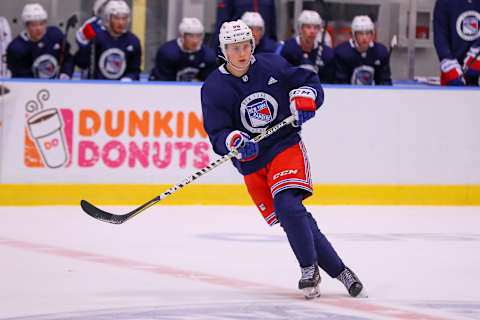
(271,81)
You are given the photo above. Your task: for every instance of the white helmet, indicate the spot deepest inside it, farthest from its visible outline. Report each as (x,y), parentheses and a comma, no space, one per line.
(233,32)
(362,23)
(309,17)
(33,12)
(113,8)
(190,25)
(99,6)
(253,19)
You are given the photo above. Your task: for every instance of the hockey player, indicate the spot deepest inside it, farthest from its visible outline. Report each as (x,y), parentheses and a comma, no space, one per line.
(5,38)
(362,61)
(306,51)
(457,41)
(39,51)
(263,44)
(242,98)
(185,58)
(117,51)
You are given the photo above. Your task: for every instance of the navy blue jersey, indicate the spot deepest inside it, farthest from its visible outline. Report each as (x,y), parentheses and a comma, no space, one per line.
(252,103)
(321,59)
(266,45)
(368,68)
(44,59)
(456,27)
(115,58)
(172,63)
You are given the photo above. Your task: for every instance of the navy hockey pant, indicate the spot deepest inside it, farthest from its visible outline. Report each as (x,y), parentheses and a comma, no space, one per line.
(306,240)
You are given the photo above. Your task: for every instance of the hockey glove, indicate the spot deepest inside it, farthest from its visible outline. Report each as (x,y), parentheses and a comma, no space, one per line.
(238,140)
(471,63)
(452,74)
(302,104)
(88,31)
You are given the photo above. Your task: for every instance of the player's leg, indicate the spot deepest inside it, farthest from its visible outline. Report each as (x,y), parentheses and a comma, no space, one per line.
(295,222)
(331,263)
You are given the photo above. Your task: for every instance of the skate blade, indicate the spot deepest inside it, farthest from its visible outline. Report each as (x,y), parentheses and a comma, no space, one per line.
(311,293)
(362,295)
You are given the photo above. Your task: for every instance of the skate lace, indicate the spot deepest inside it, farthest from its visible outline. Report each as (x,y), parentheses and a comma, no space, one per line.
(347,277)
(308,272)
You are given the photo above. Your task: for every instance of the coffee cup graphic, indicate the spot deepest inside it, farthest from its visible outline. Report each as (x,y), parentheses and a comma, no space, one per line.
(46,128)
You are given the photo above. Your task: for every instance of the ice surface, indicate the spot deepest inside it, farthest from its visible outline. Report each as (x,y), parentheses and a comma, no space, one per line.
(212,262)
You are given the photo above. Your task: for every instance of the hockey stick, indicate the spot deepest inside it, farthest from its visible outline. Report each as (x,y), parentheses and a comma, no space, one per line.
(71,23)
(467,67)
(105,216)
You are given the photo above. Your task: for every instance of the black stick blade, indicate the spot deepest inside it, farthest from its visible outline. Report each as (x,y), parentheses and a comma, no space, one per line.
(99,214)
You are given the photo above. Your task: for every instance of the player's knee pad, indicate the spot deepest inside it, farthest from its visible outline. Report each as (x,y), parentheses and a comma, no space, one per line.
(288,205)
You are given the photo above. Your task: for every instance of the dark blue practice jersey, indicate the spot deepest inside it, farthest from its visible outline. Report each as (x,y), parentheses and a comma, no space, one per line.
(44,59)
(320,59)
(115,58)
(266,45)
(172,63)
(252,103)
(368,68)
(456,27)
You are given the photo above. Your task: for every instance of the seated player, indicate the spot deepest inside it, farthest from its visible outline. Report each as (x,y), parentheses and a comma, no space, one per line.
(362,61)
(117,52)
(185,58)
(262,43)
(39,51)
(306,51)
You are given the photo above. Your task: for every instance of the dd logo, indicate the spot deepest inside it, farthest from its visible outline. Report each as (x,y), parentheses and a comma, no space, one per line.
(50,144)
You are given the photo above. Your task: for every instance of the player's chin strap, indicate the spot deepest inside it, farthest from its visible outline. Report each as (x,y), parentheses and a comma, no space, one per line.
(236,68)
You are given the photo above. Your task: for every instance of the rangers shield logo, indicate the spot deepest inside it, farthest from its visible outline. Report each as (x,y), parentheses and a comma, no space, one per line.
(467,25)
(257,111)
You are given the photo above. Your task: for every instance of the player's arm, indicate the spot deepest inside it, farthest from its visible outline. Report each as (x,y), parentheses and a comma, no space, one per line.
(341,68)
(450,68)
(81,58)
(383,75)
(134,60)
(164,69)
(210,63)
(305,93)
(17,61)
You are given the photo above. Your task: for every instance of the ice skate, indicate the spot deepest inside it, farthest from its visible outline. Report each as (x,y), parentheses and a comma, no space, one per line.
(310,282)
(351,282)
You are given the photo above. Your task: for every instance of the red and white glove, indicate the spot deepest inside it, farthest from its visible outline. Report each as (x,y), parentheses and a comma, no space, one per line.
(452,74)
(240,141)
(471,63)
(88,31)
(302,104)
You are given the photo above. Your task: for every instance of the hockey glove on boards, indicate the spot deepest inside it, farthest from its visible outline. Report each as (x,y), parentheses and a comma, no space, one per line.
(471,63)
(302,104)
(88,31)
(247,150)
(452,74)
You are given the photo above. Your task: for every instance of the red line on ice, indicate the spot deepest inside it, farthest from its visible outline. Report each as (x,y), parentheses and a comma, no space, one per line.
(347,304)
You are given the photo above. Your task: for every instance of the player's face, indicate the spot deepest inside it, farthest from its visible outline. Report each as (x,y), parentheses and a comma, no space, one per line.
(36,29)
(257,34)
(309,32)
(118,23)
(363,39)
(191,41)
(239,53)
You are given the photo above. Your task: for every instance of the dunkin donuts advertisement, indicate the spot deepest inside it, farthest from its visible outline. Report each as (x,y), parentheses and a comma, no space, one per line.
(103,133)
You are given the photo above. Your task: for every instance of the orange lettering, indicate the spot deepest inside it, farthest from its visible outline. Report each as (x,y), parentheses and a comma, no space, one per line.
(180,119)
(135,122)
(114,132)
(160,124)
(194,123)
(84,129)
